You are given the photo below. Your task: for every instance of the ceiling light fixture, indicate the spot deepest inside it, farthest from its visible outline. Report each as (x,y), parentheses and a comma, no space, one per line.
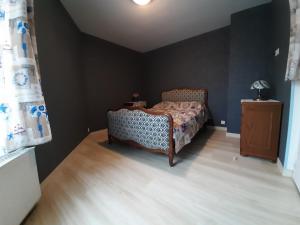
(141,2)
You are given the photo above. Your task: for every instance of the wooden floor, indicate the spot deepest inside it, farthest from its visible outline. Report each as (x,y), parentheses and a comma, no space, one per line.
(211,184)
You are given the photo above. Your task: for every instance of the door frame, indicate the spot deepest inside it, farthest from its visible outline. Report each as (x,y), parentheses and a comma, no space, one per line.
(293,140)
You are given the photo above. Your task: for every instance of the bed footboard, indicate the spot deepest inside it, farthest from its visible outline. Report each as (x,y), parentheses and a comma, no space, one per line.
(142,128)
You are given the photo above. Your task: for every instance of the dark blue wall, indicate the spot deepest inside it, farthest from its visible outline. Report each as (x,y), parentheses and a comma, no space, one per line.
(82,77)
(59,43)
(282,89)
(250,56)
(255,35)
(112,73)
(198,62)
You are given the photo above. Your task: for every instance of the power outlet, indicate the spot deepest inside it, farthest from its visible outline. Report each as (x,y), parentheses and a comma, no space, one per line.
(223,122)
(277,52)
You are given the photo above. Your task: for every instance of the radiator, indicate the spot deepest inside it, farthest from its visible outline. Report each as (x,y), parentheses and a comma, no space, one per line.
(19,186)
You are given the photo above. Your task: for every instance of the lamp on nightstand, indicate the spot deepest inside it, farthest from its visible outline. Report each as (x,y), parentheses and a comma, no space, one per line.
(260,85)
(135,97)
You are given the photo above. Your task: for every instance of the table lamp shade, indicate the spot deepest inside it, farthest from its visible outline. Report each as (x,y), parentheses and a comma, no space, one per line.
(260,84)
(135,97)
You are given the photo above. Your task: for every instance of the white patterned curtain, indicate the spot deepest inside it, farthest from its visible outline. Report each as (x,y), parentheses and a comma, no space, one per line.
(23,115)
(293,64)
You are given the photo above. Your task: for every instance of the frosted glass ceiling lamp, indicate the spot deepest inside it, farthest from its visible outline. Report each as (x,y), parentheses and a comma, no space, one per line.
(141,2)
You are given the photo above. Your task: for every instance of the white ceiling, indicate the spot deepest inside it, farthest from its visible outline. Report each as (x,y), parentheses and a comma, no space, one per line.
(161,23)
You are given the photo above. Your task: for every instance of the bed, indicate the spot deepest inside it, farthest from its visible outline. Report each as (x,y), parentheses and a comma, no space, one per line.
(167,127)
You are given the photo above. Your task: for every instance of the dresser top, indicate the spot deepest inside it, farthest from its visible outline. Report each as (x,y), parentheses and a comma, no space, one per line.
(258,101)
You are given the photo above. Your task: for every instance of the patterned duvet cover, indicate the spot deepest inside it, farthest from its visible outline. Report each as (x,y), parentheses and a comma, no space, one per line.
(188,118)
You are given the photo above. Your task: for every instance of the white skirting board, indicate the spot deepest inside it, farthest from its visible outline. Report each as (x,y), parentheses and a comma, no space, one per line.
(217,128)
(19,186)
(234,135)
(283,171)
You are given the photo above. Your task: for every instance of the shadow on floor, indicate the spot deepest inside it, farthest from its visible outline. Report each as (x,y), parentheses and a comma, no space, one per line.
(183,159)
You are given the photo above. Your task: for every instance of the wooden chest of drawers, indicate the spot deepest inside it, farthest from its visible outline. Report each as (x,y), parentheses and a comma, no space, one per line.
(260,128)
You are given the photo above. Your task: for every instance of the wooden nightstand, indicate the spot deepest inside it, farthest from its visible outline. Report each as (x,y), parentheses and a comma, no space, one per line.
(260,128)
(140,104)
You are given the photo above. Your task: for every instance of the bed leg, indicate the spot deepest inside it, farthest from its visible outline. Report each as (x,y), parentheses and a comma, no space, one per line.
(109,139)
(171,156)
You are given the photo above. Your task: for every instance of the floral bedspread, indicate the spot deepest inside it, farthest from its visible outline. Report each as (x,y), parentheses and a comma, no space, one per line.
(188,118)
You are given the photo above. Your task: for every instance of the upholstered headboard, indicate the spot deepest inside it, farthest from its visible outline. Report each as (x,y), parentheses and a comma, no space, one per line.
(185,95)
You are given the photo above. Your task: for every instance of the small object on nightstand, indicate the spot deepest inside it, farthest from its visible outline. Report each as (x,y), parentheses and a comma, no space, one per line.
(260,85)
(135,97)
(139,104)
(260,128)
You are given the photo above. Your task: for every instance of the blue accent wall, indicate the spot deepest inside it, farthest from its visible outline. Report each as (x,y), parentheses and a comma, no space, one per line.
(255,34)
(112,73)
(59,44)
(282,88)
(250,56)
(197,62)
(82,77)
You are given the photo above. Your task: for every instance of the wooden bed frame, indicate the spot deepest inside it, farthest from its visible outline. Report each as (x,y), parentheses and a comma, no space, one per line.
(165,124)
